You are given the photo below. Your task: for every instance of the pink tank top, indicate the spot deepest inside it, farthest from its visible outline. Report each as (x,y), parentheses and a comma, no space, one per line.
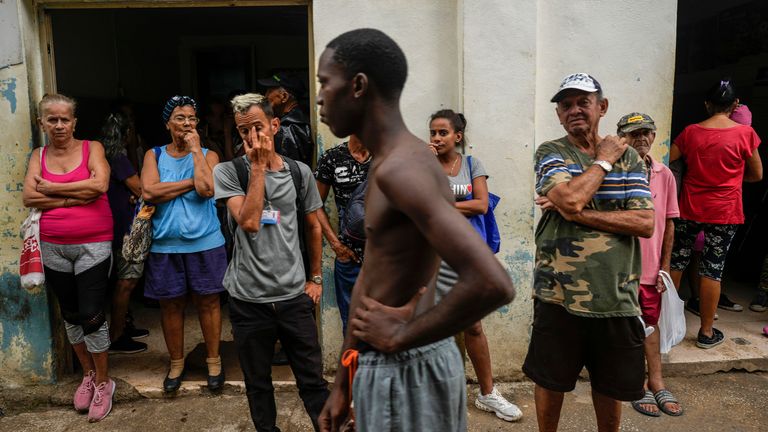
(89,223)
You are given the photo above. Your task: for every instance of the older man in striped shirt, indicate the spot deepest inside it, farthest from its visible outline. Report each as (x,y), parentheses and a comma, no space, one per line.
(595,200)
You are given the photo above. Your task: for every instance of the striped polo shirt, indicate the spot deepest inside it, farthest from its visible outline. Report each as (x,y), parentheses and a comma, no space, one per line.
(590,272)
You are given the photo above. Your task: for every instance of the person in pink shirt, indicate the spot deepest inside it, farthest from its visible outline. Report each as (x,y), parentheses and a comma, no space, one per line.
(719,155)
(68,180)
(640,131)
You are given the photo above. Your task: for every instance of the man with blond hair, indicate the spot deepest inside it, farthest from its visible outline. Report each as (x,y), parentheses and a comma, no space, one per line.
(272,203)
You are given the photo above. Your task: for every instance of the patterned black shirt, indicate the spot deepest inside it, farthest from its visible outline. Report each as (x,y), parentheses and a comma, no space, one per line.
(338,169)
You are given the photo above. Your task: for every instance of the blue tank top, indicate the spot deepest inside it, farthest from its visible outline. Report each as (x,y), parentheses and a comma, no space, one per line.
(187,223)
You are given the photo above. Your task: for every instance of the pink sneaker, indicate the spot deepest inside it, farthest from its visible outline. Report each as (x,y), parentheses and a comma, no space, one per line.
(84,393)
(102,401)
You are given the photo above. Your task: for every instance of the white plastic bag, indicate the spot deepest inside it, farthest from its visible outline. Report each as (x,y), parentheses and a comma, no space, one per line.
(31,259)
(672,318)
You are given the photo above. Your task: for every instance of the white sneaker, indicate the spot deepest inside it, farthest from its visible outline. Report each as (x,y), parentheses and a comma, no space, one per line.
(496,403)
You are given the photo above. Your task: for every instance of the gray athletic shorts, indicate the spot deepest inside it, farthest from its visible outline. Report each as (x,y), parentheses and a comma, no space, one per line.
(422,389)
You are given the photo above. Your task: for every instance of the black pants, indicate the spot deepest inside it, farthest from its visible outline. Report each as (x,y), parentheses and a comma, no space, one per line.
(256,329)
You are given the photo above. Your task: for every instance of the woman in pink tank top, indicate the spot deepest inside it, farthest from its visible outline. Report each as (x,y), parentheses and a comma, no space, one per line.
(68,180)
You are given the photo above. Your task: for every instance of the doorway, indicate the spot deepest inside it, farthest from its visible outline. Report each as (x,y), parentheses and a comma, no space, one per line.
(717,39)
(144,56)
(117,57)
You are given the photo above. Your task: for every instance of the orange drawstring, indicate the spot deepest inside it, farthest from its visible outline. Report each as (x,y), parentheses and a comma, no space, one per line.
(349,361)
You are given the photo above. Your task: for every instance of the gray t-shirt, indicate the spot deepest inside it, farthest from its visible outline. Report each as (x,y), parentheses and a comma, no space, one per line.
(461,185)
(267,267)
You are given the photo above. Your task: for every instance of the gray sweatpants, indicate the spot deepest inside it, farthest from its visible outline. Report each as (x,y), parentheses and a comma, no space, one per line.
(422,389)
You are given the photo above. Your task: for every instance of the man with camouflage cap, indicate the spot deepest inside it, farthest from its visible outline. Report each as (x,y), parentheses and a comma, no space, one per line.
(640,130)
(595,200)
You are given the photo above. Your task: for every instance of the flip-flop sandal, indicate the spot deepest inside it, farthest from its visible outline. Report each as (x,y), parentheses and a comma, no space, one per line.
(648,399)
(664,397)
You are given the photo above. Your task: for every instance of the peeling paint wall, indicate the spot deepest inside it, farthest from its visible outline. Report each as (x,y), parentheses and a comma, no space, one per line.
(25,334)
(500,61)
(426,30)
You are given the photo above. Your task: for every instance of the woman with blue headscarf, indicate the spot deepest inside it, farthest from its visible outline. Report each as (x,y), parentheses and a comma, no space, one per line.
(187,255)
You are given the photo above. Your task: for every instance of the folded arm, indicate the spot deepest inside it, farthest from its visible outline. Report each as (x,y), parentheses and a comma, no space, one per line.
(88,189)
(203,174)
(572,196)
(31,197)
(155,191)
(479,203)
(637,223)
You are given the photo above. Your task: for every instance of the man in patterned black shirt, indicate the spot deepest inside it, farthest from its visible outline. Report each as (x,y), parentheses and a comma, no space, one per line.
(342,168)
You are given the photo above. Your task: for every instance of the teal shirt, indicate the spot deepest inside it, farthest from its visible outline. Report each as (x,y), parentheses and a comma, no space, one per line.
(187,223)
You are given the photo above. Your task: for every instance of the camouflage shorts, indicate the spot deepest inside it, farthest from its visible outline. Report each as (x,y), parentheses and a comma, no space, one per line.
(717,241)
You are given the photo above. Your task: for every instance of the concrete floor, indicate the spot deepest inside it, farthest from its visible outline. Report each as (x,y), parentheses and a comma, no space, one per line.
(145,371)
(732,402)
(745,348)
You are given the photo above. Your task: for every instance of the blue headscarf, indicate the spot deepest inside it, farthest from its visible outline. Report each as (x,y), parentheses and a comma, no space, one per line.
(177,101)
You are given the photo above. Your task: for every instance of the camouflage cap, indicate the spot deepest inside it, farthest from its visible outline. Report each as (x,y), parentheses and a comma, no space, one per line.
(634,121)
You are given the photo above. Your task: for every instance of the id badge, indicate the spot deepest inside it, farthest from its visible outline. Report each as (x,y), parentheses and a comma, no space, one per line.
(270,216)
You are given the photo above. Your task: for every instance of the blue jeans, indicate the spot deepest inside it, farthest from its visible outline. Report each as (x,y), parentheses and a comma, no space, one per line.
(344,277)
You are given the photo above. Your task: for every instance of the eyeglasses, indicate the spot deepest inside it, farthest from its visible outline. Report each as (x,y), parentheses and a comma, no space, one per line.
(182,119)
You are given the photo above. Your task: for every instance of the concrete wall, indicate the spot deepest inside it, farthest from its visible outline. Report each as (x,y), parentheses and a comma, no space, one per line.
(25,334)
(627,45)
(499,61)
(426,30)
(508,57)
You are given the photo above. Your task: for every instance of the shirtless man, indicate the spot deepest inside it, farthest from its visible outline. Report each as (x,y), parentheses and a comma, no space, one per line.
(410,374)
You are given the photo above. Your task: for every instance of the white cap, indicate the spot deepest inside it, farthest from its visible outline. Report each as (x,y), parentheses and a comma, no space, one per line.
(577,81)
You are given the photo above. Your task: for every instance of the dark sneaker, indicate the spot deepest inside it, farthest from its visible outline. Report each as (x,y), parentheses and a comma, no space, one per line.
(131,330)
(727,304)
(760,303)
(706,342)
(135,333)
(692,306)
(126,345)
(280,359)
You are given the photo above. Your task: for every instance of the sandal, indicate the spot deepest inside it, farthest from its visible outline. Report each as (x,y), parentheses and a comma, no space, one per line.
(664,397)
(648,399)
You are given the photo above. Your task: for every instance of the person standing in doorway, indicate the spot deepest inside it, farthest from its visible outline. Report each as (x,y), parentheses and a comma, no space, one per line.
(719,154)
(640,130)
(447,131)
(187,255)
(294,139)
(124,189)
(272,200)
(68,180)
(343,168)
(595,199)
(409,373)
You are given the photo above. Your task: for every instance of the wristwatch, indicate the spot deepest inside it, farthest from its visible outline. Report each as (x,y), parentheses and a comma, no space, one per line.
(317,279)
(605,165)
